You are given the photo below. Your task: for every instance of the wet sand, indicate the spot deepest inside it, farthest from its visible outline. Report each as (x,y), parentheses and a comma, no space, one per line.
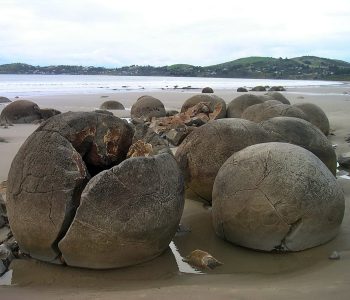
(246,274)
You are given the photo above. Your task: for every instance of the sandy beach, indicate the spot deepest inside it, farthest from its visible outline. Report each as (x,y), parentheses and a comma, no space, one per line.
(245,274)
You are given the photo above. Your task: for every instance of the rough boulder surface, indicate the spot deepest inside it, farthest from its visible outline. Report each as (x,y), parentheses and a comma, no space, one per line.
(4,100)
(304,134)
(238,105)
(276,196)
(203,151)
(215,104)
(112,104)
(265,111)
(315,115)
(126,213)
(147,107)
(278,96)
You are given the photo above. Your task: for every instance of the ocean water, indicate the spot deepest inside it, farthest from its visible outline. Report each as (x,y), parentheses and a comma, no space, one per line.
(34,85)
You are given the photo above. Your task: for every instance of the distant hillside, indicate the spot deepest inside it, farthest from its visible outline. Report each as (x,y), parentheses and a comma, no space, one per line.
(304,67)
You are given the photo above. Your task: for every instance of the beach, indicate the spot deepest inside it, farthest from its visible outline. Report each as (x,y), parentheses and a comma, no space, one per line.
(245,274)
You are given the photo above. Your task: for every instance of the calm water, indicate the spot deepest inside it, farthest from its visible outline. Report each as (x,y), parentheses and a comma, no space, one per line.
(32,85)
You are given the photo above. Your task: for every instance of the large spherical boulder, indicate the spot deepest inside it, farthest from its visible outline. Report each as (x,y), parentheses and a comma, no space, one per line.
(203,151)
(207,90)
(237,106)
(147,107)
(304,134)
(20,111)
(125,214)
(315,115)
(242,90)
(276,196)
(278,96)
(4,100)
(112,104)
(216,104)
(265,111)
(277,89)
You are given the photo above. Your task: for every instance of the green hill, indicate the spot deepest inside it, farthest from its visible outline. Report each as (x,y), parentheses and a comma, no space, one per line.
(304,67)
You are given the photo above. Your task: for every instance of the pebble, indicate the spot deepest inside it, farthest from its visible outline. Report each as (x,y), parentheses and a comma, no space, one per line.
(334,256)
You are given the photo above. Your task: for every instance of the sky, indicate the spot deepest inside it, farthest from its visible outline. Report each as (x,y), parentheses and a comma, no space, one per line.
(115,33)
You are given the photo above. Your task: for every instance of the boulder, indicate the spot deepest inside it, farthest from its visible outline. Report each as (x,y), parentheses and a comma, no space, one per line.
(20,111)
(170,113)
(203,151)
(239,104)
(207,90)
(112,104)
(304,134)
(103,111)
(278,96)
(4,100)
(265,111)
(259,88)
(126,214)
(132,225)
(216,104)
(147,107)
(276,196)
(242,90)
(315,115)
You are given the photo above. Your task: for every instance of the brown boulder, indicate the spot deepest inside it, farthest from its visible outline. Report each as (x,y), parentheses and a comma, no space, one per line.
(239,104)
(315,115)
(112,104)
(276,196)
(20,111)
(304,134)
(278,96)
(4,100)
(265,111)
(207,90)
(203,151)
(147,107)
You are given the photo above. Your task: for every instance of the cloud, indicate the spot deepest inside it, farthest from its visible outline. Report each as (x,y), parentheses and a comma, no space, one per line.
(114,33)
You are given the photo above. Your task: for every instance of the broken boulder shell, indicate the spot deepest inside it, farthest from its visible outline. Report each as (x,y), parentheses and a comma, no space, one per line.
(276,196)
(119,217)
(216,104)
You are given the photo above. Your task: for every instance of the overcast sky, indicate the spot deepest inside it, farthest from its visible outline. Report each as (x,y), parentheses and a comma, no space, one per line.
(119,33)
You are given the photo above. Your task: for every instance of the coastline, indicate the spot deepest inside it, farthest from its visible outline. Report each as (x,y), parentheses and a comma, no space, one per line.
(245,274)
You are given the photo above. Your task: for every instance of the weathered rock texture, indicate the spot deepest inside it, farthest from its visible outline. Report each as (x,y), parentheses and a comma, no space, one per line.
(127,214)
(315,115)
(216,104)
(278,96)
(4,100)
(203,152)
(238,105)
(276,196)
(147,107)
(112,104)
(304,134)
(265,111)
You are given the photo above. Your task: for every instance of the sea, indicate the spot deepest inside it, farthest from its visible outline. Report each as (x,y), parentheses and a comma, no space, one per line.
(37,85)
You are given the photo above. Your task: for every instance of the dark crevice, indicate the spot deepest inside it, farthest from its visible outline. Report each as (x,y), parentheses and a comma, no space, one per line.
(69,216)
(293,227)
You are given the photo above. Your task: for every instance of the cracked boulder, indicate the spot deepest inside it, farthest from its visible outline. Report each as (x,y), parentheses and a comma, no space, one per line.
(238,105)
(217,105)
(304,134)
(276,196)
(118,217)
(315,115)
(204,150)
(265,111)
(147,107)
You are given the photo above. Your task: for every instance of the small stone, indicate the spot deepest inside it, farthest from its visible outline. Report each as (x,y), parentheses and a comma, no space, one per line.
(334,256)
(175,137)
(344,160)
